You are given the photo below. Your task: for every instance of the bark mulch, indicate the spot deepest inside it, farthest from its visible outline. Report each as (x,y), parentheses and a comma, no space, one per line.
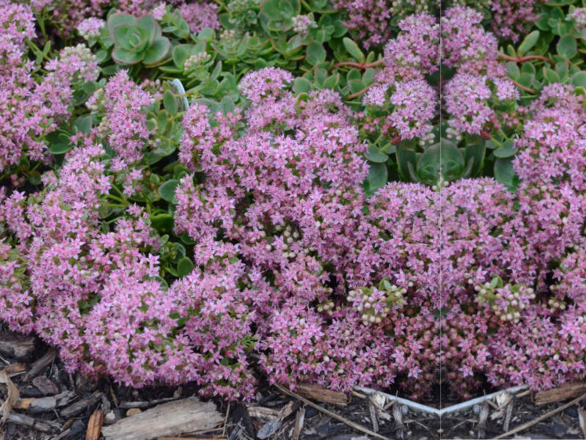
(43,401)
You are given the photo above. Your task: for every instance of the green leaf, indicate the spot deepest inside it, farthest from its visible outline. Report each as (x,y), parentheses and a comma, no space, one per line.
(567,47)
(167,190)
(227,105)
(302,85)
(125,57)
(148,28)
(170,103)
(123,36)
(474,155)
(375,155)
(507,150)
(550,75)
(157,52)
(579,79)
(332,81)
(181,53)
(353,49)
(271,9)
(405,158)
(505,174)
(184,267)
(528,43)
(83,124)
(316,53)
(118,19)
(163,222)
(60,148)
(377,176)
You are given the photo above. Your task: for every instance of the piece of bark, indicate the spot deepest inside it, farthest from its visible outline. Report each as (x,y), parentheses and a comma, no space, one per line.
(45,385)
(81,405)
(19,347)
(94,427)
(484,412)
(24,420)
(14,369)
(38,367)
(260,412)
(169,419)
(49,403)
(582,420)
(324,395)
(299,421)
(133,411)
(24,403)
(565,392)
(399,425)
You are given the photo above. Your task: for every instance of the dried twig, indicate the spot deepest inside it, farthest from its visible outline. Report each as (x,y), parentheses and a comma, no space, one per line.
(330,413)
(540,418)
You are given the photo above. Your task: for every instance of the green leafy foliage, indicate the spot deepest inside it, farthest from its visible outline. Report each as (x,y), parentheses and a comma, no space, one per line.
(137,40)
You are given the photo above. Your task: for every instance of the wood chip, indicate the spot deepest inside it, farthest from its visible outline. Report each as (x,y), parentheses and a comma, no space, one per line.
(24,403)
(24,420)
(399,425)
(14,369)
(81,405)
(169,419)
(482,419)
(299,422)
(324,395)
(13,395)
(260,412)
(94,427)
(508,417)
(19,347)
(38,367)
(45,385)
(50,403)
(565,392)
(133,411)
(582,417)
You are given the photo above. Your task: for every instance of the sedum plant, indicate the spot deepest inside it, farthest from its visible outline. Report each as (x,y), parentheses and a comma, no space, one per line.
(137,40)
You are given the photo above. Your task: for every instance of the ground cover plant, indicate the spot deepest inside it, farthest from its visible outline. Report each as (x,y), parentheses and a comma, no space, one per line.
(388,194)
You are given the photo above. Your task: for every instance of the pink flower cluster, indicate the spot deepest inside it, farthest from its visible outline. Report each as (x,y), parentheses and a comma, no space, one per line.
(513,18)
(124,122)
(30,108)
(401,87)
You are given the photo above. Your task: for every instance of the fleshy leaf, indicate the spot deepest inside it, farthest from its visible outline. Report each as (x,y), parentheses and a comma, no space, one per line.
(157,52)
(148,27)
(118,19)
(126,58)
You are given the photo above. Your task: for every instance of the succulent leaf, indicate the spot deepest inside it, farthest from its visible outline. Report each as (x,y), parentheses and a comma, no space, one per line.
(157,52)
